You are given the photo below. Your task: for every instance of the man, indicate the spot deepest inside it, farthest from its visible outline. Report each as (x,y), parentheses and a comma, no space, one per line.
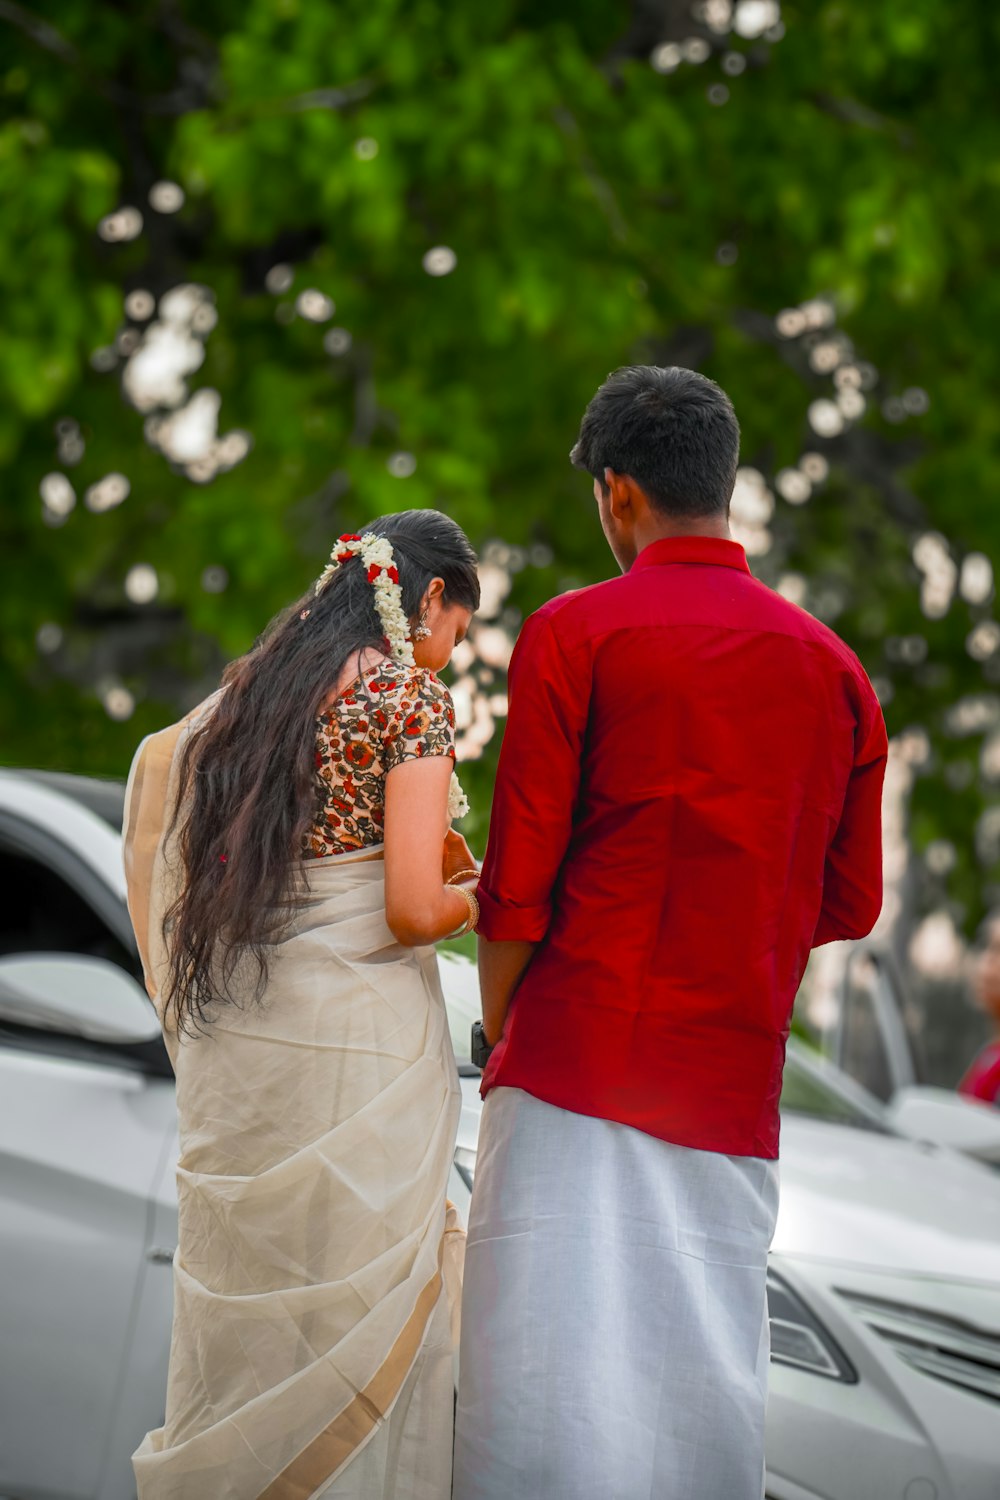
(688,799)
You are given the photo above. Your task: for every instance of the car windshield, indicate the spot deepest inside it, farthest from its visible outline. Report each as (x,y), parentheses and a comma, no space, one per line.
(810,1086)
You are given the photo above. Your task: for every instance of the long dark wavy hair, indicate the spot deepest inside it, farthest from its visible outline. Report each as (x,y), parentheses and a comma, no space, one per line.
(247,774)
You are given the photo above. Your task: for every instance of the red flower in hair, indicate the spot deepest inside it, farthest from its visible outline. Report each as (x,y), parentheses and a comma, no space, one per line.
(375,569)
(345,554)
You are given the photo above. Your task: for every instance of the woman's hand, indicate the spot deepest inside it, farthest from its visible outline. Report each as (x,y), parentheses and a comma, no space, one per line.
(419,907)
(457,857)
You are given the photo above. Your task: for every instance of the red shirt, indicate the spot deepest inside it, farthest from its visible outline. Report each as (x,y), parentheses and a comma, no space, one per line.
(688,799)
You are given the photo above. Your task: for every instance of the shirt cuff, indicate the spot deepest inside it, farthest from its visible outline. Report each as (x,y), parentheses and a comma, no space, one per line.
(499,923)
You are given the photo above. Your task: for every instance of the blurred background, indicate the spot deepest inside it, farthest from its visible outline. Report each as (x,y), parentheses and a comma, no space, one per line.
(273,267)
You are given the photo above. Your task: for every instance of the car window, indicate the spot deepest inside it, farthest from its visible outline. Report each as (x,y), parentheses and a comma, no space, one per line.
(42,913)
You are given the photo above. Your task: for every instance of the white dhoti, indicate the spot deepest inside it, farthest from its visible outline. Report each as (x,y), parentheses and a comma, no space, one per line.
(614,1336)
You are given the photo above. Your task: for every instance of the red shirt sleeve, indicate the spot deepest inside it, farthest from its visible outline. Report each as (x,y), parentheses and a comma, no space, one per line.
(538,777)
(852,880)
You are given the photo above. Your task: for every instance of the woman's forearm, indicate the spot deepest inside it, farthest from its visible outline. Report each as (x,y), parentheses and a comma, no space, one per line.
(432,920)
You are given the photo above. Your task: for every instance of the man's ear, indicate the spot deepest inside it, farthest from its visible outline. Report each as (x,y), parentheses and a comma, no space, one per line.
(620,495)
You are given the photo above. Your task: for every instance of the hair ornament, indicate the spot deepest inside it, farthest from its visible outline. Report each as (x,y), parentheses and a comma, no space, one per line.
(377,556)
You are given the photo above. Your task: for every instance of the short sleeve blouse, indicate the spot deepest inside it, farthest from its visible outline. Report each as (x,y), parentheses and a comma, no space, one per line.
(390,714)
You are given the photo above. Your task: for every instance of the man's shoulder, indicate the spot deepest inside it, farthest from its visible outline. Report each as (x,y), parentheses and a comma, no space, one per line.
(585,613)
(791,619)
(805,625)
(575,608)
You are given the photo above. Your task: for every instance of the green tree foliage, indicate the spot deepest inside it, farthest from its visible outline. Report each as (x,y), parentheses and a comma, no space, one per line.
(595,185)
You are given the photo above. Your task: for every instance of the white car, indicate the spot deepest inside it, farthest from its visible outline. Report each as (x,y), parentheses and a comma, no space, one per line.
(885,1273)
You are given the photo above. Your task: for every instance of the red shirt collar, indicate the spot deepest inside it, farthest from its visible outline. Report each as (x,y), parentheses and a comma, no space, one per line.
(716,550)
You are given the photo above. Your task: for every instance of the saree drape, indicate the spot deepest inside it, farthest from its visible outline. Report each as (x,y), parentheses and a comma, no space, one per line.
(317,1276)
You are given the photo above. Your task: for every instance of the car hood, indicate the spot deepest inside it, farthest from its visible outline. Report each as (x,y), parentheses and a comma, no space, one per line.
(886,1203)
(868,1200)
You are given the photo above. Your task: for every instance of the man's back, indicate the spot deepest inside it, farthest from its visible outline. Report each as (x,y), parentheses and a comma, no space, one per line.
(714,760)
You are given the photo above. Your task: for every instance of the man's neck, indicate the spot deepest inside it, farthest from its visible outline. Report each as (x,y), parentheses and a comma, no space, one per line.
(658,530)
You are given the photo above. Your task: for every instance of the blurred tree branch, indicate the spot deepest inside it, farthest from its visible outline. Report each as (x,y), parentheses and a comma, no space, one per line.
(178,101)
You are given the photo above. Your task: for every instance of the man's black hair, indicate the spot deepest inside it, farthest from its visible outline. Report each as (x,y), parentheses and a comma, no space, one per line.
(671,430)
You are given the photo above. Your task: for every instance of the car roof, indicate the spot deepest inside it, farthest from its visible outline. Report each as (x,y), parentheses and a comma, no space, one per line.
(104,796)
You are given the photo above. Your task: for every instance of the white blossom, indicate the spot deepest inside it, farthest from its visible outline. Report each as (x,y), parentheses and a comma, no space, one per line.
(376,551)
(458,802)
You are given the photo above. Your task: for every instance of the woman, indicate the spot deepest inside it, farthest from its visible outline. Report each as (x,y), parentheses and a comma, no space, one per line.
(290,867)
(982,1077)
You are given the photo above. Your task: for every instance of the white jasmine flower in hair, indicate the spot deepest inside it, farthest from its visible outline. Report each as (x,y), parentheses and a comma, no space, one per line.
(380,564)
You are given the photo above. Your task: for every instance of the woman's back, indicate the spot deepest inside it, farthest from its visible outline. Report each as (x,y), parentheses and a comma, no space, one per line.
(388,714)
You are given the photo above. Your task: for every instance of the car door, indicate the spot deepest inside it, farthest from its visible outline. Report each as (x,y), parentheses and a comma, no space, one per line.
(83,1131)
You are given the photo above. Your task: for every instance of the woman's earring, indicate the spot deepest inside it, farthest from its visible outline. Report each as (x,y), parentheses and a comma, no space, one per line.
(423,630)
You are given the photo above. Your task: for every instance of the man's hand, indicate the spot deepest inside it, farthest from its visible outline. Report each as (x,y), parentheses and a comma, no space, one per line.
(501,969)
(457,856)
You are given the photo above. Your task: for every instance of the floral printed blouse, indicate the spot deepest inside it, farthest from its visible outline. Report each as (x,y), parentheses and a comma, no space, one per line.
(391,713)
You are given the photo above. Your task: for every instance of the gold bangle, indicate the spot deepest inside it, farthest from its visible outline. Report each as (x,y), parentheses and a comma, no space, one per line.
(459,873)
(469,925)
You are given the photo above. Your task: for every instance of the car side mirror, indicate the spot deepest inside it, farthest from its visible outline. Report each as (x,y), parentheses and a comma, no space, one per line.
(71,993)
(948,1119)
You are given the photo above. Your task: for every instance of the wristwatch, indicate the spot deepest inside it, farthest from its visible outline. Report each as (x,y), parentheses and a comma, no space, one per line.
(481,1048)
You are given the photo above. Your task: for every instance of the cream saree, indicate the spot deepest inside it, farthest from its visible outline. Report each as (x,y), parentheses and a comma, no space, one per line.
(317,1275)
